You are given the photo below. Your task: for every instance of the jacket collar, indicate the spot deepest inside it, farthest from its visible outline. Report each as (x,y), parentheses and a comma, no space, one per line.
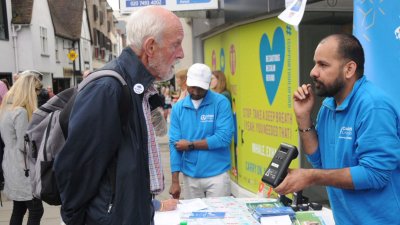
(134,69)
(330,102)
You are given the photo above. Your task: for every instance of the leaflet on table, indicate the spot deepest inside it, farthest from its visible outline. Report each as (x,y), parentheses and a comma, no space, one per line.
(191,205)
(276,220)
(235,210)
(208,215)
(167,217)
(252,206)
(308,218)
(278,211)
(256,200)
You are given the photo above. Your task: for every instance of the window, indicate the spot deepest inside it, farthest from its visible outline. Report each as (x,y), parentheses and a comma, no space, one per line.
(95,13)
(95,41)
(114,49)
(86,46)
(67,44)
(96,52)
(3,21)
(102,54)
(57,52)
(101,17)
(43,41)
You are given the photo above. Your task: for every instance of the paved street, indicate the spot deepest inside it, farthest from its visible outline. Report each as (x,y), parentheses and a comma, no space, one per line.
(51,213)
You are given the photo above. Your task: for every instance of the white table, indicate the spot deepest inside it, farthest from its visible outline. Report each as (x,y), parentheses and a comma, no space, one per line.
(236,212)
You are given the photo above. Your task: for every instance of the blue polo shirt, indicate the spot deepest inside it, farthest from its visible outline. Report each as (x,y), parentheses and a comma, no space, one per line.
(211,121)
(362,134)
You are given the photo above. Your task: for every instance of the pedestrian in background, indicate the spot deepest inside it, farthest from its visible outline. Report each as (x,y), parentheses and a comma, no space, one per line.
(355,145)
(85,74)
(218,84)
(3,90)
(180,78)
(109,172)
(42,94)
(200,134)
(15,113)
(50,91)
(5,81)
(167,102)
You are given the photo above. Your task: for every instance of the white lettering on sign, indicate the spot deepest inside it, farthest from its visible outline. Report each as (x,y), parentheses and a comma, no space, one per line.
(273,58)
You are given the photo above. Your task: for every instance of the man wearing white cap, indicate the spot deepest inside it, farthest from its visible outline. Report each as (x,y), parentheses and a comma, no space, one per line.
(200,135)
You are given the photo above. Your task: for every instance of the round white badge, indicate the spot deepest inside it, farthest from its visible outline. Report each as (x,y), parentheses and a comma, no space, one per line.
(138,88)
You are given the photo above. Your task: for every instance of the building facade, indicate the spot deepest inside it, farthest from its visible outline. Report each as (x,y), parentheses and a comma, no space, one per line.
(99,13)
(43,34)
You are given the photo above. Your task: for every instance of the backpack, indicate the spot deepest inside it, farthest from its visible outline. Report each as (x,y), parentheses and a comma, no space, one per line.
(48,130)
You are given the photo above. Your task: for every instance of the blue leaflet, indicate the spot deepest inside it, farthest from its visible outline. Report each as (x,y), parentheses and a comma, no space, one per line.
(208,215)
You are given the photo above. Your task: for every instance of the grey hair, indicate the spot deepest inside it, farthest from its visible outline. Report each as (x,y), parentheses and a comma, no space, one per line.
(143,24)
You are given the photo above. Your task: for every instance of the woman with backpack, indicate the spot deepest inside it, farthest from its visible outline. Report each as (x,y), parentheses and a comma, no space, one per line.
(15,113)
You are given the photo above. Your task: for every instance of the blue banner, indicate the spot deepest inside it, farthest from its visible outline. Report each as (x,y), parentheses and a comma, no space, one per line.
(377,26)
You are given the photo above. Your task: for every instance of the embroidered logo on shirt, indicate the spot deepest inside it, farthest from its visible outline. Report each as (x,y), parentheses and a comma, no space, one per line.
(346,133)
(207,118)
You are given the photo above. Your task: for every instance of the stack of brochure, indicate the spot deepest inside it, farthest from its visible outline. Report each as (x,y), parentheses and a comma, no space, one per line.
(308,218)
(275,211)
(253,205)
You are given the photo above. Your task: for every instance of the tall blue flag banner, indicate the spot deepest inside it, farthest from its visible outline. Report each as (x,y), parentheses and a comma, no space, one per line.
(377,26)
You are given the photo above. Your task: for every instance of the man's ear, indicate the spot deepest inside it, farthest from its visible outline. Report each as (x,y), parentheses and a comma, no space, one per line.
(149,46)
(350,69)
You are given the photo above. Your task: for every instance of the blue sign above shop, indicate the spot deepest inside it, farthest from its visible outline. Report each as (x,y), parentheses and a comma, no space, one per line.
(173,5)
(141,3)
(191,1)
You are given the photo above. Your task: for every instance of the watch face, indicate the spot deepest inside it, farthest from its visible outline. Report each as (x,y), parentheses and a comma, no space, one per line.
(191,146)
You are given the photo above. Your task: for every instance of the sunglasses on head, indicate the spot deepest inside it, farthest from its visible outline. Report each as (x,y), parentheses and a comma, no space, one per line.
(34,72)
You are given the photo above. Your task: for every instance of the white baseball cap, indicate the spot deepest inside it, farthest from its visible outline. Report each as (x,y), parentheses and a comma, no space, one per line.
(199,75)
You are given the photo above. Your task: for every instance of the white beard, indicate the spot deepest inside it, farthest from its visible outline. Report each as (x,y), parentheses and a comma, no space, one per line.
(156,64)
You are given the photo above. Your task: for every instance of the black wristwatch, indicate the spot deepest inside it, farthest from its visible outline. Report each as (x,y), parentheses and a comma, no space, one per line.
(191,146)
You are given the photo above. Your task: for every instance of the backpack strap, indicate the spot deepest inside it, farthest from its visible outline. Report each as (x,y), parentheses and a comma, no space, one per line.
(124,102)
(99,74)
(126,95)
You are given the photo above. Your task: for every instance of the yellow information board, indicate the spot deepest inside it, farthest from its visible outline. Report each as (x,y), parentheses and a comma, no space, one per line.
(260,61)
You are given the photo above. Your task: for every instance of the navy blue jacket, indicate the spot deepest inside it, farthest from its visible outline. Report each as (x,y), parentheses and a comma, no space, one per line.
(95,141)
